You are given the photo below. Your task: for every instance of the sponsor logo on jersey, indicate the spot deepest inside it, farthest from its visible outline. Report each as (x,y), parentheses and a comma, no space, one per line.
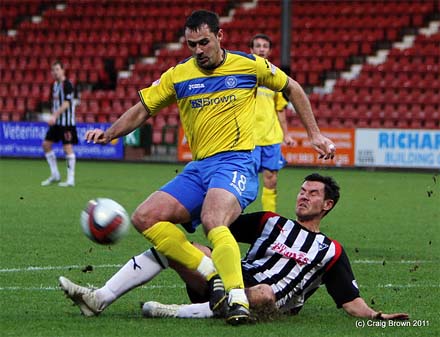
(231,82)
(202,102)
(322,245)
(196,86)
(300,257)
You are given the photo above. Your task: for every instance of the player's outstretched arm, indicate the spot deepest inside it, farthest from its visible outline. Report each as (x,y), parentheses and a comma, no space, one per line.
(298,97)
(283,122)
(130,120)
(358,308)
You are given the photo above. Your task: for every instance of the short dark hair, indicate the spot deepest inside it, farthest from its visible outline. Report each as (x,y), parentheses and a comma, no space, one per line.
(201,17)
(260,36)
(331,187)
(58,62)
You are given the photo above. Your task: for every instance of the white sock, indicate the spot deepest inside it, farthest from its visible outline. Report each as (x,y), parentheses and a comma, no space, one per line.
(139,270)
(238,296)
(71,160)
(195,310)
(206,267)
(52,161)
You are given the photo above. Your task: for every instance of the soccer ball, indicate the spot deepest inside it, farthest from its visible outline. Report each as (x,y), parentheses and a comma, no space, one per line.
(104,221)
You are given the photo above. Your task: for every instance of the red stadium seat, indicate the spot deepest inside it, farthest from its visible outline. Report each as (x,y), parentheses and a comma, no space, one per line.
(326,36)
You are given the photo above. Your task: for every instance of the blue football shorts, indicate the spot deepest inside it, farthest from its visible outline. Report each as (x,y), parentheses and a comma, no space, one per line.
(233,171)
(269,157)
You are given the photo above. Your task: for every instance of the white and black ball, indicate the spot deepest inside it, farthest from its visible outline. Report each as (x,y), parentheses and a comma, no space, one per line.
(104,221)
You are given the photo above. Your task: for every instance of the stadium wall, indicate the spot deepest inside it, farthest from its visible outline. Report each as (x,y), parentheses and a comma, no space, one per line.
(23,139)
(392,148)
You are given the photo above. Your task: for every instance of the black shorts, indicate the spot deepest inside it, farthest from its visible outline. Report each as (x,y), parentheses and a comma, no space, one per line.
(66,134)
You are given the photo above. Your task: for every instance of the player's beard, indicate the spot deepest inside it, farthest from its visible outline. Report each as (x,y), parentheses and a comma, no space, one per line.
(206,65)
(308,217)
(211,64)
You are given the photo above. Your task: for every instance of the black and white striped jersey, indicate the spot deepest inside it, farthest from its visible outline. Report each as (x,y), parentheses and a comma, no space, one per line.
(63,91)
(293,260)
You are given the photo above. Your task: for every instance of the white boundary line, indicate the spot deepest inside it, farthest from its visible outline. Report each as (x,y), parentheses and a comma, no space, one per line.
(181,286)
(45,268)
(50,288)
(390,285)
(392,261)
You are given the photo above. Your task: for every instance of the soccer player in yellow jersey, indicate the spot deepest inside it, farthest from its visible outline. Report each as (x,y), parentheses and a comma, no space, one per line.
(270,129)
(215,92)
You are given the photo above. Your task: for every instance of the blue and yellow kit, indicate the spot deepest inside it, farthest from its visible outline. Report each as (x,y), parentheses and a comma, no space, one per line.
(216,106)
(268,130)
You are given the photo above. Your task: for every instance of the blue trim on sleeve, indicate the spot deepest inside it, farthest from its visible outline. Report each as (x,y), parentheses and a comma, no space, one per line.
(185,60)
(249,56)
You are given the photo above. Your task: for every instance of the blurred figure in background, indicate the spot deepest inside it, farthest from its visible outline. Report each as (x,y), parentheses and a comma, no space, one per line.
(61,127)
(270,129)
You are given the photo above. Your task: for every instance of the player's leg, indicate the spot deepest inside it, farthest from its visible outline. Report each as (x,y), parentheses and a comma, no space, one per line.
(232,187)
(219,210)
(261,300)
(51,137)
(137,271)
(197,287)
(269,192)
(198,293)
(69,138)
(179,201)
(272,161)
(70,164)
(156,217)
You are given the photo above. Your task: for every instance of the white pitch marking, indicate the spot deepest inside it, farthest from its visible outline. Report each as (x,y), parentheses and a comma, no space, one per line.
(44,268)
(50,288)
(180,286)
(391,261)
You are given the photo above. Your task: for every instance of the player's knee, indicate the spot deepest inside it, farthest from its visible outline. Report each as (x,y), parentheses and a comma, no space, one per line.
(205,250)
(211,220)
(141,219)
(208,222)
(270,179)
(46,146)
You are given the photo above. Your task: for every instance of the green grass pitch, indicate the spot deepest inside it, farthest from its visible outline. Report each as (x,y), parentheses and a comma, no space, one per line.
(388,222)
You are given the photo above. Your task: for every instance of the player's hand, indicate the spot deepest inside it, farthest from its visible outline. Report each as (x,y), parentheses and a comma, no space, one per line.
(325,147)
(52,120)
(289,141)
(397,316)
(97,136)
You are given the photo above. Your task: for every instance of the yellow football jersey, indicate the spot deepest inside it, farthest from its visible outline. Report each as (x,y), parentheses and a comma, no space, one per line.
(268,130)
(216,106)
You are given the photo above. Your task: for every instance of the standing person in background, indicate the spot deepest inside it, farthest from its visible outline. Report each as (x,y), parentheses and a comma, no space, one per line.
(270,129)
(61,127)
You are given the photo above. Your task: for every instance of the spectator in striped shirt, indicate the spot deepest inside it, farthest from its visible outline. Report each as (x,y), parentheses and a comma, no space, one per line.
(286,263)
(62,127)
